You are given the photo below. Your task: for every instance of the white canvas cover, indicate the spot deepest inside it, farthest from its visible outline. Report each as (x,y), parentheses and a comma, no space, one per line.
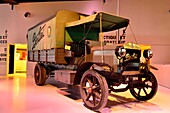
(50,33)
(38,36)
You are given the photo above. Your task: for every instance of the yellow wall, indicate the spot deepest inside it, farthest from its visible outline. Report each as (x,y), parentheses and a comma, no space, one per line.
(20,59)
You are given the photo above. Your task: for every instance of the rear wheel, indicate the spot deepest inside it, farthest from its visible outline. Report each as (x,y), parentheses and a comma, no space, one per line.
(39,74)
(147,88)
(94,90)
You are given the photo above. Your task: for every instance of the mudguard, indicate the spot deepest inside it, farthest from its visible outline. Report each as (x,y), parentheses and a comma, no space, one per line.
(152,67)
(86,66)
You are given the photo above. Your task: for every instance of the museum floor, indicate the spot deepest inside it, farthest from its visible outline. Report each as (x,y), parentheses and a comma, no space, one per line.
(20,95)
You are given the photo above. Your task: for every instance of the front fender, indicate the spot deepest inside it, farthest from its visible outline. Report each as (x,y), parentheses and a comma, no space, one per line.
(81,69)
(145,65)
(152,67)
(86,66)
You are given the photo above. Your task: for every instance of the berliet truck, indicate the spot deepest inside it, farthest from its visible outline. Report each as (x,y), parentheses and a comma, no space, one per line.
(70,46)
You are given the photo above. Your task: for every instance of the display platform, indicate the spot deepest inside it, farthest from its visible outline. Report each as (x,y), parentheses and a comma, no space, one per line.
(19,94)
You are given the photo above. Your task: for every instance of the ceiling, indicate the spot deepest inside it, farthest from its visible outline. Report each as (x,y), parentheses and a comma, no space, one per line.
(25,1)
(16,2)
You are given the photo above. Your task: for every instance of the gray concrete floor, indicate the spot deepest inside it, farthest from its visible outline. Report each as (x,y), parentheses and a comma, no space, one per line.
(19,94)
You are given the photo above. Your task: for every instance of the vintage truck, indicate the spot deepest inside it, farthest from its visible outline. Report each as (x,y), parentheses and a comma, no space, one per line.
(70,46)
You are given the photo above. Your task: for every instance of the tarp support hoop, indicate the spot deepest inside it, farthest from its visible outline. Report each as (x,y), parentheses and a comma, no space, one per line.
(101,40)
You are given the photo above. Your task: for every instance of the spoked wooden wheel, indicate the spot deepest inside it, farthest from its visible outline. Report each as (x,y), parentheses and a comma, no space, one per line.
(39,74)
(147,88)
(94,90)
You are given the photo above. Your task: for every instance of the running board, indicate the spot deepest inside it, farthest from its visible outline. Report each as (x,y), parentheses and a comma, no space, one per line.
(65,76)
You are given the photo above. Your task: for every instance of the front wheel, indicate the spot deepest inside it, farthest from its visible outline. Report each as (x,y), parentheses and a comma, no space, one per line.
(94,90)
(39,74)
(146,89)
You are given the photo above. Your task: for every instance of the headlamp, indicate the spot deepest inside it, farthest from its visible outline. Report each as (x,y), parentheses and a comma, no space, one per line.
(120,51)
(148,53)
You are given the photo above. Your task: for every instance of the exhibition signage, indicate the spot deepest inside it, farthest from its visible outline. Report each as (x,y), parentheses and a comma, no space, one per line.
(3,53)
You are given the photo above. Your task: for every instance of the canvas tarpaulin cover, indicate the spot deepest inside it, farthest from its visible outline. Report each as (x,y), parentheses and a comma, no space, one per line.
(89,27)
(39,36)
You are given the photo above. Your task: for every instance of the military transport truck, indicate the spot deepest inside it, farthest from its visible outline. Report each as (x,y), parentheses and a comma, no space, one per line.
(70,45)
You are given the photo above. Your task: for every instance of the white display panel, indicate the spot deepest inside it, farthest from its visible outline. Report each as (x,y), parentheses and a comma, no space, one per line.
(3,54)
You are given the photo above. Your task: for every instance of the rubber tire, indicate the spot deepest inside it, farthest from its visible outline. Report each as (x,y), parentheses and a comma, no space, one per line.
(104,91)
(39,74)
(152,92)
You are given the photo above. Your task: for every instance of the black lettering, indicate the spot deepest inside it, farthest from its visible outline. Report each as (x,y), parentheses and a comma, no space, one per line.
(3,41)
(2,59)
(34,37)
(4,37)
(111,37)
(6,32)
(38,37)
(5,49)
(3,54)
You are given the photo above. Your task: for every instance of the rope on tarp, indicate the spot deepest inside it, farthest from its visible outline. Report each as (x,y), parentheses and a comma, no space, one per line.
(85,36)
(133,34)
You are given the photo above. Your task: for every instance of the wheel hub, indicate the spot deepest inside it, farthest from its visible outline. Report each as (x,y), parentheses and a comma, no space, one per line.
(89,90)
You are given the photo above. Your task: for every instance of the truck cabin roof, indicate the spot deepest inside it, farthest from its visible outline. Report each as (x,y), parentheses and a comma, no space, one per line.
(109,22)
(89,27)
